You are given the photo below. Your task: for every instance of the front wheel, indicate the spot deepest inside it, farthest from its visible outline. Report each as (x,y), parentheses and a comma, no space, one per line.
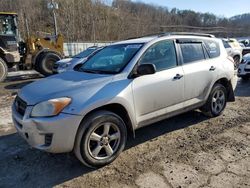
(3,70)
(216,102)
(101,138)
(46,63)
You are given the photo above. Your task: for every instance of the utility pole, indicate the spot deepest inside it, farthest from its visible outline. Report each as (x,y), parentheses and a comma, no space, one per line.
(26,26)
(53,6)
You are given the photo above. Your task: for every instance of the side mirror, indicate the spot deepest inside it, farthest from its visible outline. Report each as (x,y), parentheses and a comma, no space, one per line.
(145,69)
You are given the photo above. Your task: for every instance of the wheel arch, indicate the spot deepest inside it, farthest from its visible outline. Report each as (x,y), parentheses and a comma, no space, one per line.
(2,55)
(227,84)
(116,108)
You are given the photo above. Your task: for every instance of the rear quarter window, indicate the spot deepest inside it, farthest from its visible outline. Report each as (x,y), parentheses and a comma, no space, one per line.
(192,52)
(226,45)
(213,48)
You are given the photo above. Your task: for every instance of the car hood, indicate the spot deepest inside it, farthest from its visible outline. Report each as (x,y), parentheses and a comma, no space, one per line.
(64,60)
(68,84)
(74,62)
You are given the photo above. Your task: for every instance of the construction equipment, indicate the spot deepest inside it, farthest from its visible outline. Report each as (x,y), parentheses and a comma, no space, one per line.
(39,53)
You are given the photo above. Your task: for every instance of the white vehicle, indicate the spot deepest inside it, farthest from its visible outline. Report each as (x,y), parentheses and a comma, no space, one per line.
(233,49)
(125,86)
(70,63)
(244,67)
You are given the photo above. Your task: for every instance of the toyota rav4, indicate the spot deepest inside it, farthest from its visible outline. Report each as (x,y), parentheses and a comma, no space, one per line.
(123,87)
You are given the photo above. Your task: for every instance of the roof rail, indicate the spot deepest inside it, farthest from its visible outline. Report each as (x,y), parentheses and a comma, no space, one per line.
(187,33)
(173,33)
(148,35)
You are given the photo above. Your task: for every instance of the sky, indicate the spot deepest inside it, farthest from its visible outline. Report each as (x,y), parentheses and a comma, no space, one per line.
(223,8)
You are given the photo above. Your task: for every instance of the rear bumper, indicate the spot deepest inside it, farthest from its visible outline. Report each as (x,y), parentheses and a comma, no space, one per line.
(243,70)
(52,134)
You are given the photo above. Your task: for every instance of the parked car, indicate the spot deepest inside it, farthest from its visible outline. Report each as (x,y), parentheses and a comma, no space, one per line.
(244,67)
(125,86)
(234,50)
(246,46)
(70,63)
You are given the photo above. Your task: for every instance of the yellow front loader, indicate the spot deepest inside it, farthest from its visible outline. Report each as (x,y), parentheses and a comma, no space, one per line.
(39,53)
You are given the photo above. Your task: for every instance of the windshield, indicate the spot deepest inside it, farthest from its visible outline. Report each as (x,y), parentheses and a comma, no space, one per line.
(85,53)
(7,25)
(111,59)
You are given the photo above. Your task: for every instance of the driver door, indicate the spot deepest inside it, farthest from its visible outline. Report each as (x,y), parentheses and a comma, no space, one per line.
(160,93)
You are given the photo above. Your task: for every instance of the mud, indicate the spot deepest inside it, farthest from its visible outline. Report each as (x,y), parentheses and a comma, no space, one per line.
(189,150)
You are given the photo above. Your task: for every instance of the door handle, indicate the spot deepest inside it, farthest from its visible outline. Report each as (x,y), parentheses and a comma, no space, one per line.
(212,68)
(178,76)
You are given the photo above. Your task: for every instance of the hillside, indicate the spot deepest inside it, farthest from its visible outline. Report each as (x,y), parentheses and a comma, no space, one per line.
(243,19)
(88,20)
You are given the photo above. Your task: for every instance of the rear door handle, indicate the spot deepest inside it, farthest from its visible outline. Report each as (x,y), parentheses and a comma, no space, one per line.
(212,68)
(178,76)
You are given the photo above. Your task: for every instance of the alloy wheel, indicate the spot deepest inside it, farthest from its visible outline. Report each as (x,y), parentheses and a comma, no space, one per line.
(104,141)
(218,101)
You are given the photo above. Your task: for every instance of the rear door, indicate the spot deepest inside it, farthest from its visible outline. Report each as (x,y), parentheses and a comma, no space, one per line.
(198,69)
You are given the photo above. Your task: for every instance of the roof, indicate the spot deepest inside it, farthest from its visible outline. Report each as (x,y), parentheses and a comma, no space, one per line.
(137,40)
(147,39)
(8,13)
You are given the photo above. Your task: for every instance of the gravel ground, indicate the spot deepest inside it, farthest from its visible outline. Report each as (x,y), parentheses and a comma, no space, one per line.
(189,150)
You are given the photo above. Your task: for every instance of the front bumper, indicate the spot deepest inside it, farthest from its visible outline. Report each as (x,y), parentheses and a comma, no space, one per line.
(53,134)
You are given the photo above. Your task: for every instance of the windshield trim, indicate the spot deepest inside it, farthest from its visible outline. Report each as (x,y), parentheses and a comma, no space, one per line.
(122,68)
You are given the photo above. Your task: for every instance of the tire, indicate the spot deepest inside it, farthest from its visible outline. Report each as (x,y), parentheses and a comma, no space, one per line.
(3,70)
(96,146)
(216,102)
(39,59)
(46,63)
(245,78)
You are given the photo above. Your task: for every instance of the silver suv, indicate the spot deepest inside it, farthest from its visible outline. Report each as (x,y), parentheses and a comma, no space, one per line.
(123,87)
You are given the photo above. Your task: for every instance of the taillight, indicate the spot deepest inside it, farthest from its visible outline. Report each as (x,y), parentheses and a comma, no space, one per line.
(231,59)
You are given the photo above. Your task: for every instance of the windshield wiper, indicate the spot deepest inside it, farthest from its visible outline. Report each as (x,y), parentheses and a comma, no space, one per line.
(97,71)
(89,71)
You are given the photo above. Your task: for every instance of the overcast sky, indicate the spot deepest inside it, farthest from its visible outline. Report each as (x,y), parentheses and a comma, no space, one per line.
(226,8)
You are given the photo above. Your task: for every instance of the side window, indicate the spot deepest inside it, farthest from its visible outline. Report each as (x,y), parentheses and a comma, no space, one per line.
(161,54)
(226,45)
(212,48)
(192,52)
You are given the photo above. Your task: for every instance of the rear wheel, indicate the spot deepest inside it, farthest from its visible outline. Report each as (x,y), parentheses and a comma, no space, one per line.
(216,102)
(3,70)
(101,138)
(46,63)
(38,61)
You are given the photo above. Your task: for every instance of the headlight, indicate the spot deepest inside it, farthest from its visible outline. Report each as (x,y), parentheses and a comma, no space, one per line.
(64,65)
(243,61)
(51,107)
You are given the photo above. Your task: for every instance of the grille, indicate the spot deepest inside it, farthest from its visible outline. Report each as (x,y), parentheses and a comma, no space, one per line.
(48,139)
(20,105)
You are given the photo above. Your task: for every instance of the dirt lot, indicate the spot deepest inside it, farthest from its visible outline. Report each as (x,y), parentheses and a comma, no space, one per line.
(189,150)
